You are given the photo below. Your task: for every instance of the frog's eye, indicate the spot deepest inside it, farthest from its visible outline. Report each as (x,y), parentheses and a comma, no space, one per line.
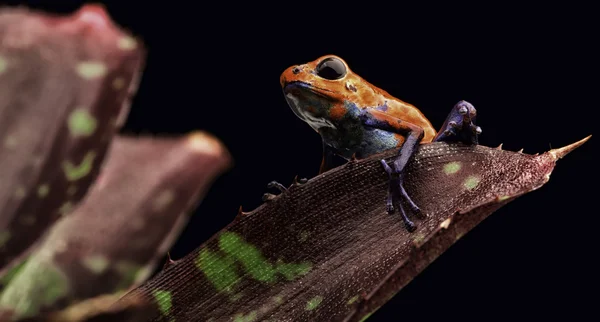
(331,68)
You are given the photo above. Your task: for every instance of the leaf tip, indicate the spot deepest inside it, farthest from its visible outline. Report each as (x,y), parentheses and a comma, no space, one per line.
(561,152)
(203,142)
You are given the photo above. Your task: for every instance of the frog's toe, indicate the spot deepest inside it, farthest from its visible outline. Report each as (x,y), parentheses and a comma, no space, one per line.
(276,185)
(460,125)
(396,193)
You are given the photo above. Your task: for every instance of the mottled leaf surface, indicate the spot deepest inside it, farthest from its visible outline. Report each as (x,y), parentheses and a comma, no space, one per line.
(65,86)
(130,218)
(327,250)
(100,309)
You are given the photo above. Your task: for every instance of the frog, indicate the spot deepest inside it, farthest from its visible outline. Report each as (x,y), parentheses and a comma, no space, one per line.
(356,120)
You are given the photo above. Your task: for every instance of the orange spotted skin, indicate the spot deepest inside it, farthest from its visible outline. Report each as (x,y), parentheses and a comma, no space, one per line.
(334,107)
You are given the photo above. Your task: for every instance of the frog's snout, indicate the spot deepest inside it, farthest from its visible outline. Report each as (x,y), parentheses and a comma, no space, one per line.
(291,74)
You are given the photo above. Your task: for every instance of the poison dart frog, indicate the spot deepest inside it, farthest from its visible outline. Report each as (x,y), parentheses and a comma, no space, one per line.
(356,119)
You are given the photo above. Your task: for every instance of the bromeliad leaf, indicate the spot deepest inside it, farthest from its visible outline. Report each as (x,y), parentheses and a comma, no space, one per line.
(100,309)
(65,86)
(130,218)
(328,251)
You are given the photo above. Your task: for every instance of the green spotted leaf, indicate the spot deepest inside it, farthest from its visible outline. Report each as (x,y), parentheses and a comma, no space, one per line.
(58,108)
(327,250)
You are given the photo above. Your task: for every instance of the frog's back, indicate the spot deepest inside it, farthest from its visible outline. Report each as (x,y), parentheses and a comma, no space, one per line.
(399,109)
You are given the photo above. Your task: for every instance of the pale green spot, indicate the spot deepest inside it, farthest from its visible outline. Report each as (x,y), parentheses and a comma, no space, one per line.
(20,193)
(39,277)
(81,123)
(278,299)
(130,273)
(10,142)
(91,69)
(419,237)
(236,297)
(164,300)
(3,64)
(250,317)
(292,271)
(73,172)
(43,190)
(163,200)
(8,276)
(314,303)
(218,270)
(471,182)
(249,256)
(118,83)
(97,264)
(452,167)
(353,300)
(65,208)
(303,236)
(4,237)
(127,43)
(502,198)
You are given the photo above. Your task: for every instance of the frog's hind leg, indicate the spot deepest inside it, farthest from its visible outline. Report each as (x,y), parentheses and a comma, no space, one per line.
(414,134)
(460,125)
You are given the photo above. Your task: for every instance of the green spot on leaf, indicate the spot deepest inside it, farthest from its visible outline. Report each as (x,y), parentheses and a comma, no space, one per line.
(471,182)
(219,270)
(91,69)
(303,236)
(10,142)
(249,256)
(96,263)
(37,285)
(81,123)
(3,64)
(292,271)
(163,200)
(20,193)
(164,301)
(4,237)
(127,43)
(43,190)
(250,317)
(502,198)
(452,167)
(8,276)
(65,208)
(73,172)
(353,299)
(130,273)
(314,303)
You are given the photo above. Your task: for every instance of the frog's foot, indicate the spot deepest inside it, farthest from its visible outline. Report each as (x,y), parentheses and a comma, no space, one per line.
(397,194)
(273,185)
(460,125)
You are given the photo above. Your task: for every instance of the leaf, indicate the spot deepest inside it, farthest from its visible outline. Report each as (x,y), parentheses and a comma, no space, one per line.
(128,221)
(100,309)
(327,250)
(65,87)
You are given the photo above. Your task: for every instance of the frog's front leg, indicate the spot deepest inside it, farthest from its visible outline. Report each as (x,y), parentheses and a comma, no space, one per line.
(413,134)
(460,125)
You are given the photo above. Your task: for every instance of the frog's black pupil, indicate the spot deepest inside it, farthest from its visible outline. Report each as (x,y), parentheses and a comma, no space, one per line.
(331,68)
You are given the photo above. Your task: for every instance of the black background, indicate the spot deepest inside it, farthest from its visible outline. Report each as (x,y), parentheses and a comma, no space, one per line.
(530,71)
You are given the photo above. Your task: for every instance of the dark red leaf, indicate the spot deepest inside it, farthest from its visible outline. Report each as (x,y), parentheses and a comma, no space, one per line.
(327,250)
(130,218)
(65,87)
